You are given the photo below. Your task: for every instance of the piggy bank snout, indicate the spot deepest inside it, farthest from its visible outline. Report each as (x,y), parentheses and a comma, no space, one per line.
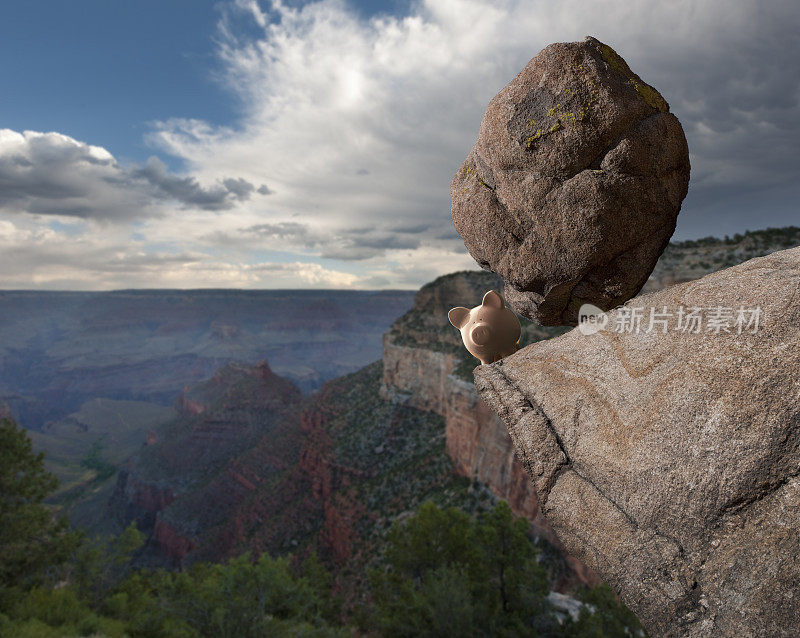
(481,334)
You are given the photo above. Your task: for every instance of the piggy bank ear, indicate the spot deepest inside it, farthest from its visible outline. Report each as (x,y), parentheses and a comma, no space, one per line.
(458,316)
(492,300)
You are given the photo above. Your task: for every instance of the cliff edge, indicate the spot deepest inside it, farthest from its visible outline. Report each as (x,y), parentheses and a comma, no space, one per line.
(667,456)
(426,366)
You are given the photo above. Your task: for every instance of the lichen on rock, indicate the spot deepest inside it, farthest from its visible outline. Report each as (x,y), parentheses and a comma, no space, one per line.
(573,187)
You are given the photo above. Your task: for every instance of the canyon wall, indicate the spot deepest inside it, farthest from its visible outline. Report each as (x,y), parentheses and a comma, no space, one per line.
(426,376)
(248,466)
(476,439)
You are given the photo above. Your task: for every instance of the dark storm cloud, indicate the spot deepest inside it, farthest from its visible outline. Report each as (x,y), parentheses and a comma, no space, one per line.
(736,92)
(240,188)
(187,190)
(416,228)
(277,235)
(355,244)
(53,174)
(359,245)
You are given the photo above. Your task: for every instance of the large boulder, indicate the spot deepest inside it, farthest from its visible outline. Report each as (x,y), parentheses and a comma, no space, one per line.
(668,459)
(573,187)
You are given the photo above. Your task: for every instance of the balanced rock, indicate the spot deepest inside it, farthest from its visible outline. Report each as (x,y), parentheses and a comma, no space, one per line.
(573,187)
(665,448)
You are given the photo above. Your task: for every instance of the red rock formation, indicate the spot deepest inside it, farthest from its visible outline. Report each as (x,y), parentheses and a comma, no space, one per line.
(192,485)
(329,482)
(171,541)
(145,496)
(200,397)
(476,439)
(186,406)
(315,457)
(238,475)
(480,447)
(332,537)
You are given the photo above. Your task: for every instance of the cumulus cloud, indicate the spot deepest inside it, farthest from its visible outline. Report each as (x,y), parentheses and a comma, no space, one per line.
(327,94)
(54,174)
(37,257)
(338,171)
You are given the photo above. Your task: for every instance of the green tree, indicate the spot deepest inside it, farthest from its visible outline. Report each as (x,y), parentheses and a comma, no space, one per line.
(98,566)
(93,461)
(33,545)
(44,612)
(321,582)
(240,599)
(433,538)
(516,585)
(451,576)
(603,616)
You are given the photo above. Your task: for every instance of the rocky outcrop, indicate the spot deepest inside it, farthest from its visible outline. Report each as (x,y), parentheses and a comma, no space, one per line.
(143,498)
(236,431)
(135,499)
(480,447)
(694,258)
(476,439)
(478,443)
(420,375)
(667,457)
(189,406)
(572,189)
(417,376)
(200,397)
(172,542)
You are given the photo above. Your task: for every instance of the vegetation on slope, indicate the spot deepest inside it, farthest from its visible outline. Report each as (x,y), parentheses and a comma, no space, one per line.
(446,574)
(695,258)
(85,449)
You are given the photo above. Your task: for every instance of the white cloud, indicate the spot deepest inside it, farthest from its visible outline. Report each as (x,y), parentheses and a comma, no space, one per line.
(34,256)
(54,174)
(363,123)
(338,172)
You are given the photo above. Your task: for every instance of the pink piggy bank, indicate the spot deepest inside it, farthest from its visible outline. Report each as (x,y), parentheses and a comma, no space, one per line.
(490,331)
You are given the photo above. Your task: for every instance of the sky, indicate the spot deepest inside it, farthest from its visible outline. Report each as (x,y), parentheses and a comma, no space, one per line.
(256,144)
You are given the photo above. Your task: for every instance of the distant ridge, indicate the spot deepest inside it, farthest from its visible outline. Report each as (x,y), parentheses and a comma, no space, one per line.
(59,349)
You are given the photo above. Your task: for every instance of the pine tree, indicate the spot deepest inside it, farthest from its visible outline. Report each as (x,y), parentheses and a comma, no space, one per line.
(32,544)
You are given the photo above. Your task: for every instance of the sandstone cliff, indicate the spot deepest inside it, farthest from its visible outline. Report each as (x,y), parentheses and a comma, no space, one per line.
(666,457)
(423,360)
